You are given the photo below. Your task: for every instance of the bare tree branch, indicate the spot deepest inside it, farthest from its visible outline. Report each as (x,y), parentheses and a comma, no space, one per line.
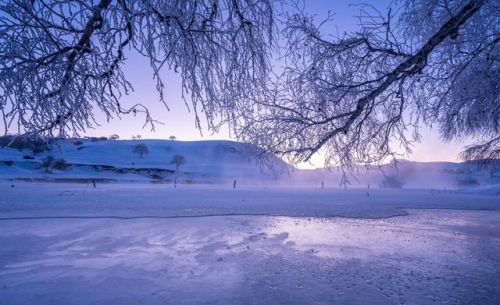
(62,60)
(362,97)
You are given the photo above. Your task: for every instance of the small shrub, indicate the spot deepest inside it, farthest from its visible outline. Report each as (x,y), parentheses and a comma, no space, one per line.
(60,164)
(49,163)
(97,139)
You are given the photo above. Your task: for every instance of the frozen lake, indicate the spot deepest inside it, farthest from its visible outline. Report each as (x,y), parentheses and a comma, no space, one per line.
(56,249)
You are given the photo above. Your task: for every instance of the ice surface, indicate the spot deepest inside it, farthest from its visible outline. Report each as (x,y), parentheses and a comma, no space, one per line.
(151,200)
(153,244)
(427,257)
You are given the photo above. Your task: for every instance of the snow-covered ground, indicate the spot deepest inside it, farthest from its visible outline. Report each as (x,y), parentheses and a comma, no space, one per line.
(153,244)
(163,200)
(205,162)
(276,238)
(216,162)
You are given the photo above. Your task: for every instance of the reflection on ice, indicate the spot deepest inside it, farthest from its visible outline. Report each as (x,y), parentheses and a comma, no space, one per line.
(427,257)
(420,234)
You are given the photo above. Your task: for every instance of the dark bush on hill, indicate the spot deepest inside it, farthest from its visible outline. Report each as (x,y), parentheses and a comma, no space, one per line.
(35,144)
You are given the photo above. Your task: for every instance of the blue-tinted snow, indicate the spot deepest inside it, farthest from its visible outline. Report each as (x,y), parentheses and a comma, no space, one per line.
(426,257)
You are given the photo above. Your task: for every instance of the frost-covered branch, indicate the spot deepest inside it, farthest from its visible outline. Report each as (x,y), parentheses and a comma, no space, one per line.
(62,60)
(484,152)
(361,97)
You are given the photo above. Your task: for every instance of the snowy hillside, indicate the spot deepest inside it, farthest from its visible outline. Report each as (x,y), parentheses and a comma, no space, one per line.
(222,162)
(204,161)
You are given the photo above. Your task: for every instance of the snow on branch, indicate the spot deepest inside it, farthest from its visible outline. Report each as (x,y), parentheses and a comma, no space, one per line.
(60,61)
(360,97)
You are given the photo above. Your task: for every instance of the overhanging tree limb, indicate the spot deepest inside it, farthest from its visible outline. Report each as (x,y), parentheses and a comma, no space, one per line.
(362,97)
(414,64)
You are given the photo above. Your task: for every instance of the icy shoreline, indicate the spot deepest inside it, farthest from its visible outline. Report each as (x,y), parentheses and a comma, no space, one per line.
(426,257)
(149,200)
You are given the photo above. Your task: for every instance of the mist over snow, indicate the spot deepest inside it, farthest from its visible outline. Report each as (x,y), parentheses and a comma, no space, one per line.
(405,174)
(215,162)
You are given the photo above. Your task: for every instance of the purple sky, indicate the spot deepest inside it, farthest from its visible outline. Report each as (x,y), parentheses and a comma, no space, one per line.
(179,122)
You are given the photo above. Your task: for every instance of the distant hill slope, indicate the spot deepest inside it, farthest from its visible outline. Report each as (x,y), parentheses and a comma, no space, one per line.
(205,161)
(223,162)
(409,174)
